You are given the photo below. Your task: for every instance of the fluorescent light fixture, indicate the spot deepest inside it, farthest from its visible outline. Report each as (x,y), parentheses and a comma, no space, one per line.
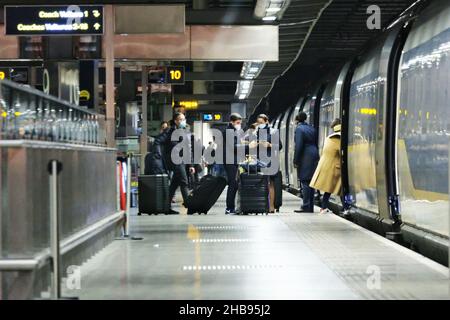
(270,18)
(244,87)
(251,69)
(273,10)
(246,84)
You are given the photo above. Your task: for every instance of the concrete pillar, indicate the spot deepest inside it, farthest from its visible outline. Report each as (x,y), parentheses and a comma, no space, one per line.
(144,140)
(108,40)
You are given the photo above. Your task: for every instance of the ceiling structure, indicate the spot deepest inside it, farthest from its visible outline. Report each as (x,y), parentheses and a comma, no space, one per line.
(340,34)
(216,82)
(315,37)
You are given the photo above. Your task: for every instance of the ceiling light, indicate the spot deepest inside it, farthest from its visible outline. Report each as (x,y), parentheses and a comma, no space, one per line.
(273,10)
(243,89)
(270,18)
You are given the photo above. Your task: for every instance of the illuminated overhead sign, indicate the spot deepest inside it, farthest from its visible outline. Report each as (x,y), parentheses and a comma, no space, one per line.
(212,116)
(54,20)
(207,117)
(174,75)
(189,105)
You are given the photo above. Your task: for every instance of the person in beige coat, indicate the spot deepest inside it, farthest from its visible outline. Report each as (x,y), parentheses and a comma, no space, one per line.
(327,177)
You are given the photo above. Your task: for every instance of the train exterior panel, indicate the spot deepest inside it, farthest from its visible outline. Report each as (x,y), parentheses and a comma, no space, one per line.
(396,103)
(424,121)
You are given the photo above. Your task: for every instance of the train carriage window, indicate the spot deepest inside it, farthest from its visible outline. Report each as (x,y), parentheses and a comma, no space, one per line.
(282,134)
(365,107)
(327,112)
(423,127)
(289,149)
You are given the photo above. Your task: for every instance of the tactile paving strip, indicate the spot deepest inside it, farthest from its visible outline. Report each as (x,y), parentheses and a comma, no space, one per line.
(360,260)
(229,267)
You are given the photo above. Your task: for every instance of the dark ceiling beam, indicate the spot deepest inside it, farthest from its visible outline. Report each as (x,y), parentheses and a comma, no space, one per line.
(205,97)
(214,107)
(225,16)
(212,76)
(69,2)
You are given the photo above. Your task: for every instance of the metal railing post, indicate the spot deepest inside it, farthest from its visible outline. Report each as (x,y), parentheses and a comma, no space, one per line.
(54,168)
(128,198)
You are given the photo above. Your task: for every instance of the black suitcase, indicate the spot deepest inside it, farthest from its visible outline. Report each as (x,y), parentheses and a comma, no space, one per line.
(253,193)
(153,194)
(205,194)
(278,187)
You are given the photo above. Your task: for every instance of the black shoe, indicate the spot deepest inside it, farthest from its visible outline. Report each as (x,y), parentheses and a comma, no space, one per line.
(173,212)
(303,211)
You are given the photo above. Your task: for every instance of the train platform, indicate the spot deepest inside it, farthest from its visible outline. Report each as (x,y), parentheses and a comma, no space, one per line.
(280,256)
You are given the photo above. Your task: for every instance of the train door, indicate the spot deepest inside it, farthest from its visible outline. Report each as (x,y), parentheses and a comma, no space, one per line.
(326,113)
(365,108)
(287,143)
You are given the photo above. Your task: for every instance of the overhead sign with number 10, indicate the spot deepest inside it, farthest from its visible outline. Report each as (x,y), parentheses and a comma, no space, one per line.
(175,75)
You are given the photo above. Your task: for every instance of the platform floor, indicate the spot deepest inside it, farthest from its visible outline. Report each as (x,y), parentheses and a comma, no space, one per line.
(281,256)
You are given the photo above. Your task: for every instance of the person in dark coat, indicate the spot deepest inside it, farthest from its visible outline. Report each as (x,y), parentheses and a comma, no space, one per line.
(263,126)
(153,165)
(306,157)
(231,168)
(196,145)
(162,149)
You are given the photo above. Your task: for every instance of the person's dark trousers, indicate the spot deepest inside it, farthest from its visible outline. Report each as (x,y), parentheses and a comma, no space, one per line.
(326,200)
(179,179)
(232,176)
(308,197)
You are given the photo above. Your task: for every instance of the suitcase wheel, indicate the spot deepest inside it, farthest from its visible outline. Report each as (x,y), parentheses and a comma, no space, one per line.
(190,212)
(139,214)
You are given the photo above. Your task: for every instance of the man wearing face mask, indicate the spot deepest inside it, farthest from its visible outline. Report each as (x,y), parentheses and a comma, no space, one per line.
(163,149)
(269,145)
(232,168)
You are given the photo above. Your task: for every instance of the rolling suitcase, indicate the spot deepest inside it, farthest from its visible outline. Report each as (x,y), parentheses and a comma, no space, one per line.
(205,194)
(253,196)
(153,194)
(278,187)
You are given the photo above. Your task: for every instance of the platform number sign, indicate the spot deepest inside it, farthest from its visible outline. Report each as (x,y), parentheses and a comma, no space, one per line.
(175,75)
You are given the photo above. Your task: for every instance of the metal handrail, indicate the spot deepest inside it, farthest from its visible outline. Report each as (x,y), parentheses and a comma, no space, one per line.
(43,95)
(41,259)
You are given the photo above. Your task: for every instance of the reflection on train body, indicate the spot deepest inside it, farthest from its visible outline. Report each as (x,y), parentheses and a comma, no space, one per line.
(424,121)
(362,130)
(421,138)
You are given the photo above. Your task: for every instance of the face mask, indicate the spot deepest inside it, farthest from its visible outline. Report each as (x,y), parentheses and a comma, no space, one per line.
(182,124)
(237,127)
(262,126)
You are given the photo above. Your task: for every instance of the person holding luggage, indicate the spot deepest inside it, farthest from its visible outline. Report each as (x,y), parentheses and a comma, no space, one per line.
(306,157)
(263,126)
(163,126)
(327,177)
(232,169)
(162,150)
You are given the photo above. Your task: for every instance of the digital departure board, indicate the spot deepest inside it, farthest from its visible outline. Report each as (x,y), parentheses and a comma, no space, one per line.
(53,20)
